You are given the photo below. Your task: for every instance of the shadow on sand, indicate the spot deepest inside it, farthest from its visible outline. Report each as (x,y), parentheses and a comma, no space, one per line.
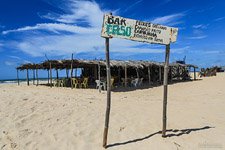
(146,86)
(170,133)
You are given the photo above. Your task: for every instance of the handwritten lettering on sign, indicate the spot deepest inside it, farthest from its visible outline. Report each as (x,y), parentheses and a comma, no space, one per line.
(115,26)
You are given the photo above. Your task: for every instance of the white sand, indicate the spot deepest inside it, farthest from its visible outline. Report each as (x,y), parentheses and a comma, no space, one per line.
(73,119)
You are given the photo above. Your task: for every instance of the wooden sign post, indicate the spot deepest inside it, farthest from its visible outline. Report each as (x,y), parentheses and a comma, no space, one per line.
(165,90)
(108,106)
(119,27)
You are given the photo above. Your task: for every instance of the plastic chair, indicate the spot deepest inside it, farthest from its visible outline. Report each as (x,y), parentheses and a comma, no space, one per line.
(57,82)
(112,82)
(140,82)
(135,82)
(100,85)
(84,83)
(75,82)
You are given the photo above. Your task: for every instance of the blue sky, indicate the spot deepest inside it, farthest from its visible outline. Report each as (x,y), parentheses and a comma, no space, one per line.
(29,29)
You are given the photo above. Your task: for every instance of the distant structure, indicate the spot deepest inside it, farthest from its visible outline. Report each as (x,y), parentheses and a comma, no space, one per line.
(181,61)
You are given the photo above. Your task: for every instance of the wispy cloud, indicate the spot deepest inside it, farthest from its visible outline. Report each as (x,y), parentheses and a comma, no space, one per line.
(15,60)
(200,26)
(219,19)
(131,6)
(83,22)
(171,20)
(197,37)
(53,27)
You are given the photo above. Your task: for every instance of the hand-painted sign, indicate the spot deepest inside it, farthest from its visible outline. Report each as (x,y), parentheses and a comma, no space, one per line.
(115,26)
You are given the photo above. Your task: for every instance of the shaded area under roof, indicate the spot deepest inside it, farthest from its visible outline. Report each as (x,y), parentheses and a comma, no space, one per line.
(66,64)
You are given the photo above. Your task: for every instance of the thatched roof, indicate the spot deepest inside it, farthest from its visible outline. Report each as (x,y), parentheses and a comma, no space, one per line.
(66,64)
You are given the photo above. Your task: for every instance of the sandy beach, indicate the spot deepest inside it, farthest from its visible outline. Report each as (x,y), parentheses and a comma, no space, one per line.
(47,118)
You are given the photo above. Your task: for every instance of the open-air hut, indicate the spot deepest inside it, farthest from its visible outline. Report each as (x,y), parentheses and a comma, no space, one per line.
(151,72)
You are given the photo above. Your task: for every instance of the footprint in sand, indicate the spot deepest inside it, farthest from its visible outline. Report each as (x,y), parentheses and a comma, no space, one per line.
(8,141)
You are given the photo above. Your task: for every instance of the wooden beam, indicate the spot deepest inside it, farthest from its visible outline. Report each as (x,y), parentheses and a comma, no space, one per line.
(137,73)
(71,76)
(99,72)
(37,77)
(194,74)
(33,76)
(17,75)
(50,74)
(125,75)
(160,74)
(57,74)
(28,83)
(149,75)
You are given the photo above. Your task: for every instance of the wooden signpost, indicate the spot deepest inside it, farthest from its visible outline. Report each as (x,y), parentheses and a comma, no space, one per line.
(118,27)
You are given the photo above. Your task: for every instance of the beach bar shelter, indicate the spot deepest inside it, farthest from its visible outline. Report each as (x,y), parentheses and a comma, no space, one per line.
(149,70)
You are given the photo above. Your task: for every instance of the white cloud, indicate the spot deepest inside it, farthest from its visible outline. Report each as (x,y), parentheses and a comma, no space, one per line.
(200,26)
(197,37)
(54,27)
(173,19)
(131,6)
(82,39)
(219,19)
(10,63)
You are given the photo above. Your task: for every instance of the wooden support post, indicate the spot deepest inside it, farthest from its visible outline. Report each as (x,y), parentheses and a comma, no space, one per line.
(149,75)
(99,72)
(33,76)
(96,72)
(50,74)
(137,73)
(108,93)
(17,75)
(28,82)
(99,76)
(119,76)
(160,74)
(57,74)
(67,73)
(165,83)
(194,74)
(125,75)
(178,73)
(71,76)
(37,77)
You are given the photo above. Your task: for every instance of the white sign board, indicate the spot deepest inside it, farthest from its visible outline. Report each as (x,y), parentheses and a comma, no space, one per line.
(115,26)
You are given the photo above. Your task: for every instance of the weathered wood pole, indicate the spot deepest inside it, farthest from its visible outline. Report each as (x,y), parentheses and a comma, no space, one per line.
(50,74)
(28,77)
(178,73)
(99,76)
(165,83)
(37,77)
(71,75)
(149,75)
(137,73)
(99,72)
(17,75)
(33,76)
(119,75)
(57,74)
(194,74)
(105,134)
(125,75)
(75,72)
(160,74)
(67,73)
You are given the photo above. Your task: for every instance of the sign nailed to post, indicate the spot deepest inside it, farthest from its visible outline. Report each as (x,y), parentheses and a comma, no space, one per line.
(115,26)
